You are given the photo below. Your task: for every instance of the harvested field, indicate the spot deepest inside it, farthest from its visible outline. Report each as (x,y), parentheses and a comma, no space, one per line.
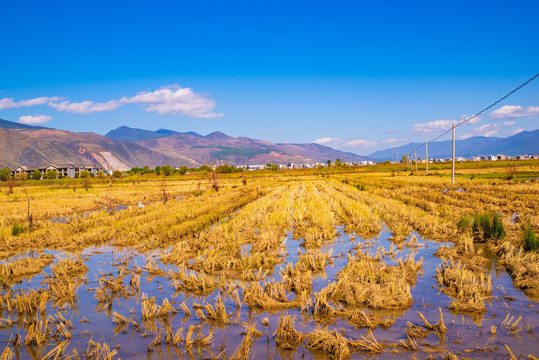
(294,265)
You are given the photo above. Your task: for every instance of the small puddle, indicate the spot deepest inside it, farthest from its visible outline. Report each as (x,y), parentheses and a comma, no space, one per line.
(66,219)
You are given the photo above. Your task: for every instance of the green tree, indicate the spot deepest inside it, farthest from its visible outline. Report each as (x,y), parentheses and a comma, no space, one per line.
(227,169)
(84,174)
(36,175)
(183,170)
(271,166)
(117,174)
(158,170)
(5,174)
(51,174)
(338,162)
(404,159)
(167,170)
(100,174)
(329,162)
(134,170)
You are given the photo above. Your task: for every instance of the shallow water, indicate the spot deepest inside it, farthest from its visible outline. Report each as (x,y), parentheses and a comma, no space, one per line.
(467,336)
(66,219)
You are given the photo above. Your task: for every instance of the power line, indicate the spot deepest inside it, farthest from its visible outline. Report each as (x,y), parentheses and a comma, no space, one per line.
(485,109)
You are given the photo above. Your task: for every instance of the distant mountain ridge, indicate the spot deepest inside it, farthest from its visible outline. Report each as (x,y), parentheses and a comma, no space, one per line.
(125,133)
(218,147)
(525,142)
(37,147)
(14,125)
(33,146)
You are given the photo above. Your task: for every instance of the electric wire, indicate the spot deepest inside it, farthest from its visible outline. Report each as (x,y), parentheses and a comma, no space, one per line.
(482,111)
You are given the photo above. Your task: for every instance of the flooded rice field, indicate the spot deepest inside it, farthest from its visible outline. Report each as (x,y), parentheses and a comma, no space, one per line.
(127,300)
(302,270)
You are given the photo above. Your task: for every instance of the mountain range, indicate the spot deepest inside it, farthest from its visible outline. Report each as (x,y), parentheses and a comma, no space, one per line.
(525,142)
(124,148)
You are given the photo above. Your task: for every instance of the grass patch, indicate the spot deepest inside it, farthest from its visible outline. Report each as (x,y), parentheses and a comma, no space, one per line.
(16,229)
(464,223)
(488,226)
(531,241)
(360,187)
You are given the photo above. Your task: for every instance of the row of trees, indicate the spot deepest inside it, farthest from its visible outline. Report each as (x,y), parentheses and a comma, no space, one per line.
(169,170)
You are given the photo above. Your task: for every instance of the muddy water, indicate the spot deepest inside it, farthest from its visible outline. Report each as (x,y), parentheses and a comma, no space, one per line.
(467,336)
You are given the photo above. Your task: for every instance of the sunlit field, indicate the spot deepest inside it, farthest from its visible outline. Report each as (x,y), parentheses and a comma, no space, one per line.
(339,262)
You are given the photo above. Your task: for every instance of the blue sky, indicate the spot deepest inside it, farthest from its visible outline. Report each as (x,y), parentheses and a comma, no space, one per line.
(358,76)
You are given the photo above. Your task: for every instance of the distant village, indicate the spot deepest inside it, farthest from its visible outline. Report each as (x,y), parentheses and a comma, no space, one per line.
(68,170)
(419,161)
(75,171)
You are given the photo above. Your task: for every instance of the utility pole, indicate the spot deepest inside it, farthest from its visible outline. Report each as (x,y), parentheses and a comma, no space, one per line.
(453,157)
(415,155)
(426,157)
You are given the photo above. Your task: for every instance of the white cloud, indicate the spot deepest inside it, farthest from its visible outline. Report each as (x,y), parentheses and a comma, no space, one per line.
(394,141)
(328,140)
(431,127)
(8,103)
(343,143)
(174,99)
(514,111)
(439,126)
(508,123)
(475,120)
(85,107)
(486,130)
(35,119)
(390,131)
(514,132)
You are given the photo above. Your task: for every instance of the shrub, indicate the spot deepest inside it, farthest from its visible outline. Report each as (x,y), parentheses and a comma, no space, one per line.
(100,174)
(16,229)
(182,171)
(21,175)
(36,175)
(5,174)
(167,170)
(490,226)
(51,174)
(10,185)
(84,174)
(117,174)
(227,169)
(531,241)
